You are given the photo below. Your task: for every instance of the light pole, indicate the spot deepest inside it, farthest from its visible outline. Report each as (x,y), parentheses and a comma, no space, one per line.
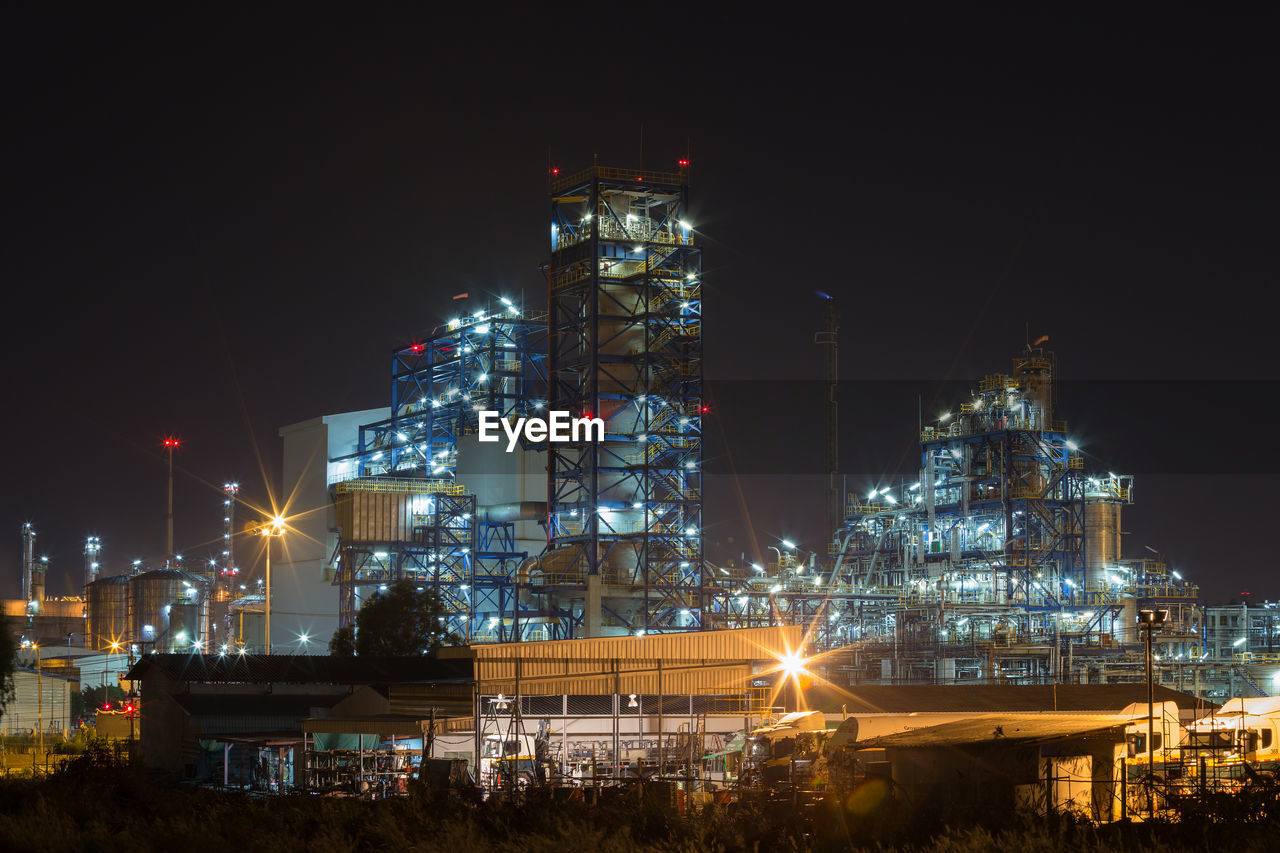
(39,699)
(115,649)
(1148,622)
(170,444)
(271,529)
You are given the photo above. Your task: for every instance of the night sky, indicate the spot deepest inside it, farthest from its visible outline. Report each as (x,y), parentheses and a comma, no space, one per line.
(216,225)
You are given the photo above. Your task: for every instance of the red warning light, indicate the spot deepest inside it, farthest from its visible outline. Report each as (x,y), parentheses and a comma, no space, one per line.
(416,347)
(555,171)
(706,409)
(684,162)
(172,442)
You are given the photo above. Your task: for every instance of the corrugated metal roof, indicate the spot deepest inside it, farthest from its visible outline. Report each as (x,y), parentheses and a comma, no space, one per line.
(39,699)
(303,669)
(632,677)
(760,644)
(1001,728)
(691,662)
(921,698)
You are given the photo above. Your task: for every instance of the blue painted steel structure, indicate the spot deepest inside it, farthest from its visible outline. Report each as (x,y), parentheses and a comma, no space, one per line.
(625,345)
(490,359)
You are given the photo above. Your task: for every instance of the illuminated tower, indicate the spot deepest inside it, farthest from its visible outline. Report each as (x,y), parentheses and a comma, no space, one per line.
(92,548)
(224,584)
(170,445)
(625,345)
(408,504)
(28,561)
(229,570)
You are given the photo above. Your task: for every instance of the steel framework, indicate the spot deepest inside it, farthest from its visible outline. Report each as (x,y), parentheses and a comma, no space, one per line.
(417,530)
(490,359)
(493,359)
(625,345)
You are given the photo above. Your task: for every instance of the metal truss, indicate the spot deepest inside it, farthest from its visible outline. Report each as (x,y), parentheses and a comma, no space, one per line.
(492,360)
(625,345)
(429,539)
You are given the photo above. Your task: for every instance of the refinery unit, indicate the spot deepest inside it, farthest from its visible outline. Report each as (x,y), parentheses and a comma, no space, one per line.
(139,609)
(1000,561)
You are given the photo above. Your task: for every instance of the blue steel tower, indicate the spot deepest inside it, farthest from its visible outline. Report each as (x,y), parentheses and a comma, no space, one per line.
(625,345)
(402,510)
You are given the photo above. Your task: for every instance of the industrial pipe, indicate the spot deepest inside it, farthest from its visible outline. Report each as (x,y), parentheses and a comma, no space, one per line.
(517,511)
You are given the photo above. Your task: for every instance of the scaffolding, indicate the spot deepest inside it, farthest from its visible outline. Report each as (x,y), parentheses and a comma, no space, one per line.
(625,345)
(417,530)
(491,360)
(1004,554)
(402,512)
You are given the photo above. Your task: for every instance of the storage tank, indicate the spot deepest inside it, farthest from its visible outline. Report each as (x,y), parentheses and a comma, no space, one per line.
(249,629)
(1101,538)
(107,601)
(184,625)
(151,595)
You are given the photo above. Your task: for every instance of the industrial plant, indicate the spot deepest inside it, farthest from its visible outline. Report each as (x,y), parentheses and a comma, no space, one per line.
(595,634)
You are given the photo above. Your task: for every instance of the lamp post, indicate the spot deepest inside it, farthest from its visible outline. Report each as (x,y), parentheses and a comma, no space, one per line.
(1148,622)
(115,650)
(39,700)
(271,529)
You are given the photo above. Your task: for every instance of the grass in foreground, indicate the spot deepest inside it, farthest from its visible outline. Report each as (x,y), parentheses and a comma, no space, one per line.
(97,803)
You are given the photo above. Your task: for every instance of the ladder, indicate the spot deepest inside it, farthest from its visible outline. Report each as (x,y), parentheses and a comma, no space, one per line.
(1240,671)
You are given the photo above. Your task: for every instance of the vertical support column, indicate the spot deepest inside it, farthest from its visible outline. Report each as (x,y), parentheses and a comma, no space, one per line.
(624,345)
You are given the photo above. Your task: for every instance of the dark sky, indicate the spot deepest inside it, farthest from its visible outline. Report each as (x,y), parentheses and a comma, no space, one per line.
(218,225)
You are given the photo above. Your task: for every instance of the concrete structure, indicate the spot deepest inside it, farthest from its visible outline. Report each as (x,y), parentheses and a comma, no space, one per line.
(303,598)
(49,627)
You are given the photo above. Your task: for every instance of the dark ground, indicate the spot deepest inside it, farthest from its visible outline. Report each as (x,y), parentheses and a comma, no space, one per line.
(96,803)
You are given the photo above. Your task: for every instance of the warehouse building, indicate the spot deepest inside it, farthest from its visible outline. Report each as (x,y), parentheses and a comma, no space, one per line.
(614,705)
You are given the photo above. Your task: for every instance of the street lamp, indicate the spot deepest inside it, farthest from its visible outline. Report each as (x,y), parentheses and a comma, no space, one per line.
(1149,621)
(271,529)
(39,700)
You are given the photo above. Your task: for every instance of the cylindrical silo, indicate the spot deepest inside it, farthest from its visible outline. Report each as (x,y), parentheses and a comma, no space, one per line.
(1101,538)
(107,601)
(151,595)
(249,628)
(184,625)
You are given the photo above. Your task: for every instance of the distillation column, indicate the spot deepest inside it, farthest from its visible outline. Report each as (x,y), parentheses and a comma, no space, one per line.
(92,547)
(625,345)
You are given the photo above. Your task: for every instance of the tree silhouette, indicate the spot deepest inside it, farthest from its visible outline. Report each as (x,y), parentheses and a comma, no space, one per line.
(403,620)
(8,659)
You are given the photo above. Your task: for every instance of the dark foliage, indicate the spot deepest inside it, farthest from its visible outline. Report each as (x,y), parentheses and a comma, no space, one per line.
(343,642)
(402,620)
(8,657)
(97,801)
(92,698)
